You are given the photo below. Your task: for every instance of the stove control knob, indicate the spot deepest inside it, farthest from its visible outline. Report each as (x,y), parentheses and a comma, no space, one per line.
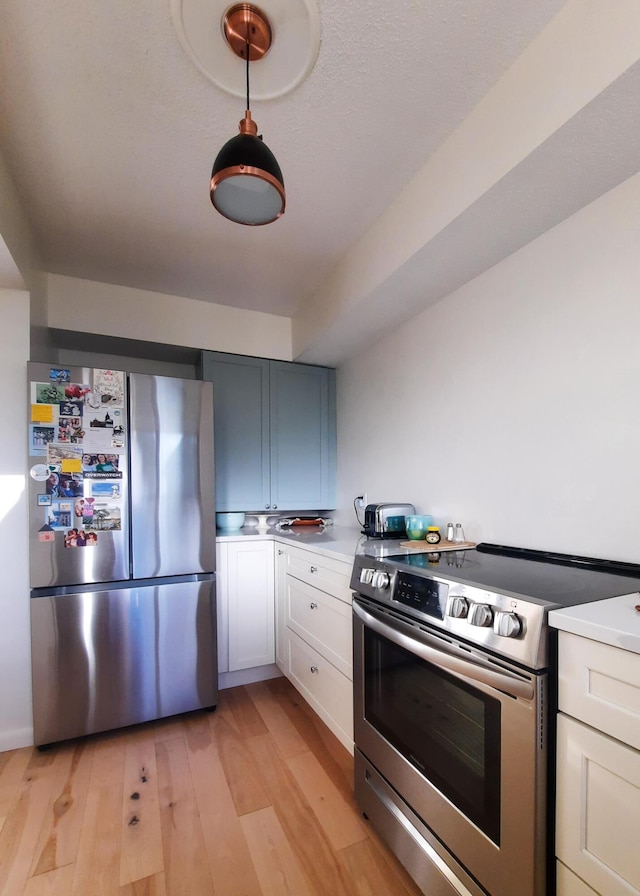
(366,576)
(480,614)
(380,579)
(507,624)
(458,607)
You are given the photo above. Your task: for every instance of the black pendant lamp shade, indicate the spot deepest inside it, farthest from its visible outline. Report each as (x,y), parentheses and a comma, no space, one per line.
(246,180)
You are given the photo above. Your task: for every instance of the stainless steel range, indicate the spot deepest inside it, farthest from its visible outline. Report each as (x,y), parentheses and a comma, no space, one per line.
(453,705)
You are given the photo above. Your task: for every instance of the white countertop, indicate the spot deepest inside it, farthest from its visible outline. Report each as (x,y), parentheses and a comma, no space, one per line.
(613,621)
(341,542)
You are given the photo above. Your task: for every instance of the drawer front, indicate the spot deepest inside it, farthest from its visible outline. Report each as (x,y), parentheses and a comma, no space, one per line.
(321,620)
(326,573)
(328,691)
(598,808)
(600,685)
(569,884)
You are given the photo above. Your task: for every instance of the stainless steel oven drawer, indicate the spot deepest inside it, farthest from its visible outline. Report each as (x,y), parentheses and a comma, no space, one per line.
(433,869)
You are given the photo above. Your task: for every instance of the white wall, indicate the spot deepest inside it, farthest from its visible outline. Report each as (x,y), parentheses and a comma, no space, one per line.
(89,307)
(16,729)
(512,406)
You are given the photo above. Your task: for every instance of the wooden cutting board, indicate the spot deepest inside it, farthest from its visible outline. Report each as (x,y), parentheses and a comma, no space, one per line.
(423,547)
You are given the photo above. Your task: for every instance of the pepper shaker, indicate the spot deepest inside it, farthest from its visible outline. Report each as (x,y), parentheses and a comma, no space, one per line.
(459,536)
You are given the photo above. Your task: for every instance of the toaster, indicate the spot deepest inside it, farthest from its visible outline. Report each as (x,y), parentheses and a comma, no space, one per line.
(386,520)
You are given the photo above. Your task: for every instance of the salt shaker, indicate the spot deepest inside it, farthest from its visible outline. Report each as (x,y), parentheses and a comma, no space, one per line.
(449,531)
(459,536)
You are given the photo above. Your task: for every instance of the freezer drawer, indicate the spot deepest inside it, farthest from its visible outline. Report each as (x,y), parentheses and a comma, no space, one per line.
(106,659)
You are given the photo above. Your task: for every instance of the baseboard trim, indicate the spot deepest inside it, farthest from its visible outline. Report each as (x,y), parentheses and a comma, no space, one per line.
(248,676)
(16,739)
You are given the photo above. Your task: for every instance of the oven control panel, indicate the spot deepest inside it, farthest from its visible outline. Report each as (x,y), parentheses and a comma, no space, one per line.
(377,578)
(489,613)
(506,624)
(425,595)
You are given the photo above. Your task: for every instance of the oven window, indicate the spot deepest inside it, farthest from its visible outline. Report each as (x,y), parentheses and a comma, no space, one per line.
(447,729)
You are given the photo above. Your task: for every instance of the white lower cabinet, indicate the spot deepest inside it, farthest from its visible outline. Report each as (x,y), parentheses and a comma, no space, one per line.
(326,690)
(314,633)
(569,884)
(322,621)
(251,604)
(246,610)
(281,614)
(598,775)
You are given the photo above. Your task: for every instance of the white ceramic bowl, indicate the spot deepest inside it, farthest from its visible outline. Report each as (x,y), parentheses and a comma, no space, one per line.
(230,520)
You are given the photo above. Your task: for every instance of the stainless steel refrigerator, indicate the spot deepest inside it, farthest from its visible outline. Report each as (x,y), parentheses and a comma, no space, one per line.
(122,549)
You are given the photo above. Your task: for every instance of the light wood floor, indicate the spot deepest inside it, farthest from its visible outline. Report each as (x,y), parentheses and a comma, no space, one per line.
(252,800)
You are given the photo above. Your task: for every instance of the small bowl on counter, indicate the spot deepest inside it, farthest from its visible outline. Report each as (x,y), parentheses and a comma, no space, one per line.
(230,521)
(417,525)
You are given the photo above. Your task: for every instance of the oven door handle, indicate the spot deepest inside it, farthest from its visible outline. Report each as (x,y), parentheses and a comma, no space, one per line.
(470,670)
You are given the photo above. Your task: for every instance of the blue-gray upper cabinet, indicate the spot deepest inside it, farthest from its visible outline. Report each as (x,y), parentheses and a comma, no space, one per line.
(241,430)
(275,433)
(302,436)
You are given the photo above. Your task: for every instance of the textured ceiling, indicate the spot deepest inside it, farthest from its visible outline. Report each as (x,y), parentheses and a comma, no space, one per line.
(109,132)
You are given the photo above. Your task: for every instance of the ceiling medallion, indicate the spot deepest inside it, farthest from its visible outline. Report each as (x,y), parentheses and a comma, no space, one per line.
(294,30)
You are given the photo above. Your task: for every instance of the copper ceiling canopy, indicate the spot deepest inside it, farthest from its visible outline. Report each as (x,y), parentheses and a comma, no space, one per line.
(245,25)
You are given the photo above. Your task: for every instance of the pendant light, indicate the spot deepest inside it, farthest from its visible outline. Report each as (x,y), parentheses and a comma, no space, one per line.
(246,181)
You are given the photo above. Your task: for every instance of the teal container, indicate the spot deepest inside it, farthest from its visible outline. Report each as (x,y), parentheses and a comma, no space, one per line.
(417,526)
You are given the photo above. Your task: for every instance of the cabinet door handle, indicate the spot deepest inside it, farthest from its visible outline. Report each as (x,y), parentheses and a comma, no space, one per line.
(314,569)
(275,506)
(313,605)
(314,669)
(280,553)
(267,506)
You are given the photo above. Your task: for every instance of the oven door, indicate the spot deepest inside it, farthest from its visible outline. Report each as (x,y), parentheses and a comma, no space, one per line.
(460,737)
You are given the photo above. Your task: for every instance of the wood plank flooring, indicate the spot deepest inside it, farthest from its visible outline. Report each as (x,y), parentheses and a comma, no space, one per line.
(254,799)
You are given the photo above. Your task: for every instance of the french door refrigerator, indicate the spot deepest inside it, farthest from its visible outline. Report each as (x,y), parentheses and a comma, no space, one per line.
(122,549)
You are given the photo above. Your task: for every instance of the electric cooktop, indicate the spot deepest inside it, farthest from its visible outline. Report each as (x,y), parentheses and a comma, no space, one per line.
(559,580)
